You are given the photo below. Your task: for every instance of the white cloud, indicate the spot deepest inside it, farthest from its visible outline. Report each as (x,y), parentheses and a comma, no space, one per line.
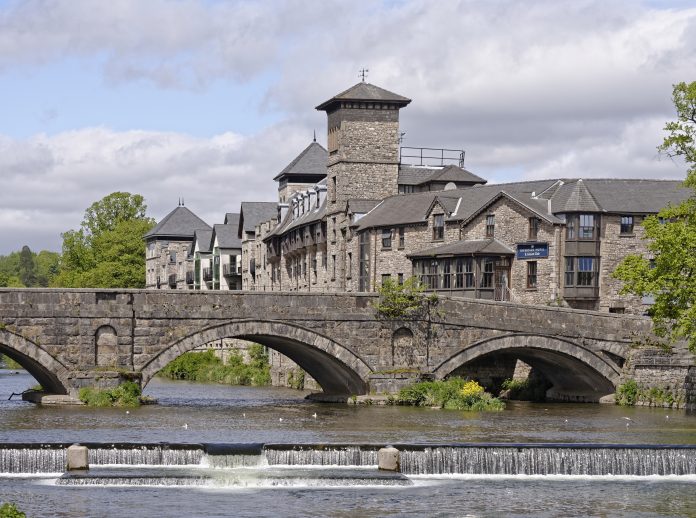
(529,89)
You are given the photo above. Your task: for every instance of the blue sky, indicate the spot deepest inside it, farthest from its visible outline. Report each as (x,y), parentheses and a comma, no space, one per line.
(209,100)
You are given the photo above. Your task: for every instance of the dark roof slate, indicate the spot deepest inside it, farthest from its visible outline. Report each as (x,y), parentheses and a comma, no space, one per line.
(361,206)
(467,247)
(180,222)
(227,235)
(310,162)
(365,92)
(204,240)
(254,212)
(419,175)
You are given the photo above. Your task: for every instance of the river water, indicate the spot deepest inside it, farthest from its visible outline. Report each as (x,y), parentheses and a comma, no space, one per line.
(530,479)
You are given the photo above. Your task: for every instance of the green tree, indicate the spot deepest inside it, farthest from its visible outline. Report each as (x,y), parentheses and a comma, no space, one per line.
(671,276)
(108,250)
(27,268)
(47,267)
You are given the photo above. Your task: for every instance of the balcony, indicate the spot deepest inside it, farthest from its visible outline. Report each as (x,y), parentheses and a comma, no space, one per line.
(189,278)
(172,281)
(230,270)
(207,274)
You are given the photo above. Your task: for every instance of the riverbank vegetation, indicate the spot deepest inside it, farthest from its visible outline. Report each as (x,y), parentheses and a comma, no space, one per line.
(127,394)
(8,363)
(8,510)
(454,394)
(632,393)
(206,367)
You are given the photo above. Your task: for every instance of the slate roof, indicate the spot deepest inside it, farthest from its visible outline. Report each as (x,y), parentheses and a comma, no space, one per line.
(204,240)
(419,175)
(288,223)
(228,235)
(254,212)
(361,206)
(413,208)
(311,162)
(180,222)
(365,92)
(467,247)
(621,196)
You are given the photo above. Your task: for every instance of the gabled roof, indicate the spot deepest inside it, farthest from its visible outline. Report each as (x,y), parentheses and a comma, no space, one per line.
(467,247)
(453,173)
(537,207)
(311,162)
(365,92)
(420,175)
(227,235)
(254,212)
(448,203)
(204,239)
(412,208)
(180,222)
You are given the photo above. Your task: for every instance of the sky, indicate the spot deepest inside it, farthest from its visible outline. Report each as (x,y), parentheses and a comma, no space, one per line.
(209,100)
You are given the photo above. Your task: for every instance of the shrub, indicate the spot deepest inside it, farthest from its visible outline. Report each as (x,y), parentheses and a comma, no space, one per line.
(627,393)
(125,395)
(453,394)
(8,510)
(400,301)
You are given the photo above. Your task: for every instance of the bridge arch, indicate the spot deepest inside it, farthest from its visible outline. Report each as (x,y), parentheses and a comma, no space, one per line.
(49,372)
(336,368)
(576,372)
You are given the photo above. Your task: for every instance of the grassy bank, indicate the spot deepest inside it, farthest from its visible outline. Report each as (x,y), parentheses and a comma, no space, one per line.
(8,363)
(206,367)
(455,394)
(127,394)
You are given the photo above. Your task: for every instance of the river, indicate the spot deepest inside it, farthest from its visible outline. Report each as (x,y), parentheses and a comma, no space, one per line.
(190,413)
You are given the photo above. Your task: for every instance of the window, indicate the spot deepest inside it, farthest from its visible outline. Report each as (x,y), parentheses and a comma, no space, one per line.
(402,237)
(487,270)
(406,189)
(446,270)
(333,191)
(490,225)
(333,267)
(531,274)
(386,238)
(570,227)
(385,277)
(439,227)
(364,262)
(172,257)
(323,260)
(586,271)
(349,273)
(333,230)
(400,278)
(314,266)
(569,271)
(533,228)
(586,227)
(627,224)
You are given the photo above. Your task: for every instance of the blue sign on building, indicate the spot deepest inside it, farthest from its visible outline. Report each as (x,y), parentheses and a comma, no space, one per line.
(532,250)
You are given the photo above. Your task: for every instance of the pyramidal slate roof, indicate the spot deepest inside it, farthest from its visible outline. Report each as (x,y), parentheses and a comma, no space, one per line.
(311,162)
(580,199)
(180,222)
(365,92)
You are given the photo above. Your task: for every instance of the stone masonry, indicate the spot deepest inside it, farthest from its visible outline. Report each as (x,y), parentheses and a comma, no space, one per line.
(73,338)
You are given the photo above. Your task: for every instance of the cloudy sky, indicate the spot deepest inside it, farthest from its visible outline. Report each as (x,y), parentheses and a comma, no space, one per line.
(210,99)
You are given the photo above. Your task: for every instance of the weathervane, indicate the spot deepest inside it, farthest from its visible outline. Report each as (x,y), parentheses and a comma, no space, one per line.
(362,73)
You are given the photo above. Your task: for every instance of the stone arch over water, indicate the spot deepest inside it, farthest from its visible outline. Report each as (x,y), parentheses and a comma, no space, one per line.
(576,372)
(335,367)
(49,372)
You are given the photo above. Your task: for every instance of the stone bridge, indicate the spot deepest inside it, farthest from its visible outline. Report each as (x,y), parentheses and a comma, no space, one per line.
(69,338)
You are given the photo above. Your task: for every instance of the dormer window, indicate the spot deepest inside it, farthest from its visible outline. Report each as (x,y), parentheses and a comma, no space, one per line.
(438,227)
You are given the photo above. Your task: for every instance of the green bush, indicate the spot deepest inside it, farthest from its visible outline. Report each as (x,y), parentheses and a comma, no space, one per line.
(125,395)
(8,510)
(530,389)
(398,301)
(8,363)
(627,393)
(206,367)
(451,394)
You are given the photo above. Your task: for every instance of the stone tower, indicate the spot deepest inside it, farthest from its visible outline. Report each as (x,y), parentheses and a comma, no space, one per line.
(363,134)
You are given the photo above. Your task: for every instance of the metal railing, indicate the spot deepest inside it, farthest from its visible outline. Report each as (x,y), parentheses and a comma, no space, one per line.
(431,156)
(207,274)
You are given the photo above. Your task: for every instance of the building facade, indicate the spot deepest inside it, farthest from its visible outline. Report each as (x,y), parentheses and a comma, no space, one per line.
(365,210)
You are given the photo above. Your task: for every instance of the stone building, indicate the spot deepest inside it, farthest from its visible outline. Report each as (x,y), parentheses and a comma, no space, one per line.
(365,209)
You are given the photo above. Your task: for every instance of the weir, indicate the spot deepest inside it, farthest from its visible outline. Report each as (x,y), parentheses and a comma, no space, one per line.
(146,461)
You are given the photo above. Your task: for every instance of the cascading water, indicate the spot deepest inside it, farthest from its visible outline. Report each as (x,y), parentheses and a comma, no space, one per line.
(277,464)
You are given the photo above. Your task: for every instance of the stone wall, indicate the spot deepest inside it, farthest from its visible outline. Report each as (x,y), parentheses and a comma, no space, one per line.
(158,264)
